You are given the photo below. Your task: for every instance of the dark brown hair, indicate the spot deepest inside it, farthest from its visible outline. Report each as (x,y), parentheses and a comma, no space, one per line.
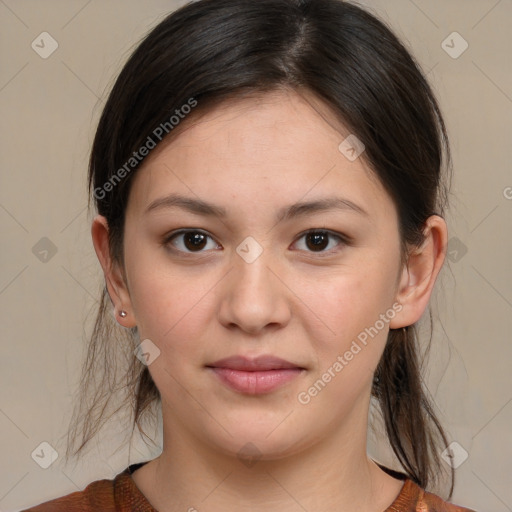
(215,50)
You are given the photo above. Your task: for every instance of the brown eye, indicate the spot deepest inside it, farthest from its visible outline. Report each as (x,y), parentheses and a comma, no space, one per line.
(317,241)
(190,241)
(194,241)
(321,241)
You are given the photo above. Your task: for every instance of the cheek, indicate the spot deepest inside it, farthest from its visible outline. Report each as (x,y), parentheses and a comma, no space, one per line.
(349,300)
(348,342)
(169,311)
(350,338)
(168,306)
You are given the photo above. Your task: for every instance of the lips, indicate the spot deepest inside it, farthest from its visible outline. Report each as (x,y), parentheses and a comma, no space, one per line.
(254,376)
(261,363)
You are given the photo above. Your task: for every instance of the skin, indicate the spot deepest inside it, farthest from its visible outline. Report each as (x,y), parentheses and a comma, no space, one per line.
(253,157)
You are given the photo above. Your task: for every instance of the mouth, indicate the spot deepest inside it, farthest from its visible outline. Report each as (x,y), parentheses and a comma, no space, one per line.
(254,376)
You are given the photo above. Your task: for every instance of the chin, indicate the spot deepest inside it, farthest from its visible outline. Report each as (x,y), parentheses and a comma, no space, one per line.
(254,438)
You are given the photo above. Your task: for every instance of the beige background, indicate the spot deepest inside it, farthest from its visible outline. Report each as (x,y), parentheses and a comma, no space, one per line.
(49,111)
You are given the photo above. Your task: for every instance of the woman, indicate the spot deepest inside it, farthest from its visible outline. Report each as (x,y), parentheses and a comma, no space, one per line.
(270,182)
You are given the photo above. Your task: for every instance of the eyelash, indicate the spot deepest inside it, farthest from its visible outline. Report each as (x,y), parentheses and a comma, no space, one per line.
(343,239)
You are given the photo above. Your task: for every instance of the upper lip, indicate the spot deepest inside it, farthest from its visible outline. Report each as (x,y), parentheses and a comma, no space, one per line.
(249,364)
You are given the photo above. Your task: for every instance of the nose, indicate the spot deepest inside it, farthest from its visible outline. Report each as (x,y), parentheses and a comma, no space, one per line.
(254,297)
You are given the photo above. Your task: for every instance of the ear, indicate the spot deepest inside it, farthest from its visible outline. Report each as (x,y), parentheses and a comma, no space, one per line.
(114,277)
(420,273)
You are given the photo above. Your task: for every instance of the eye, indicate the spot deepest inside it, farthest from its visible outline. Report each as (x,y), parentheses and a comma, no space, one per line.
(319,240)
(191,240)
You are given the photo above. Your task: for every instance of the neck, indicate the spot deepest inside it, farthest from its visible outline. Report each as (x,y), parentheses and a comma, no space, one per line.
(333,474)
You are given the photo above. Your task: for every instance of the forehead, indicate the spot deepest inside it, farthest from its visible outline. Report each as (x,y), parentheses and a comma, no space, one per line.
(264,148)
(284,121)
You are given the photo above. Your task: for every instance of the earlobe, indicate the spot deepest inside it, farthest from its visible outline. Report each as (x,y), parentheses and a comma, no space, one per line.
(420,273)
(114,278)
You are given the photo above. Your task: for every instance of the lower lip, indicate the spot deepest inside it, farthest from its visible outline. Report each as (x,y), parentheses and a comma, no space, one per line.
(256,383)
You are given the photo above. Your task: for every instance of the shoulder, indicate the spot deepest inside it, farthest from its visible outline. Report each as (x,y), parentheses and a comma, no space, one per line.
(98,495)
(432,502)
(415,499)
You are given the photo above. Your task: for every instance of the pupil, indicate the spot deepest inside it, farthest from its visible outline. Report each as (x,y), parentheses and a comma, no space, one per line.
(196,240)
(316,239)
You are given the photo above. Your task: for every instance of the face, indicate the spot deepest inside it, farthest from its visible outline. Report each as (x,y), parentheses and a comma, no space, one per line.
(297,298)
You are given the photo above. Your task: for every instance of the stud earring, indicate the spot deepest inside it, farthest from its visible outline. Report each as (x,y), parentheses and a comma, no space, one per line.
(122,314)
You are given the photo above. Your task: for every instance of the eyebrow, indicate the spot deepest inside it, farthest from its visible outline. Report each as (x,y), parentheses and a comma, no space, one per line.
(300,209)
